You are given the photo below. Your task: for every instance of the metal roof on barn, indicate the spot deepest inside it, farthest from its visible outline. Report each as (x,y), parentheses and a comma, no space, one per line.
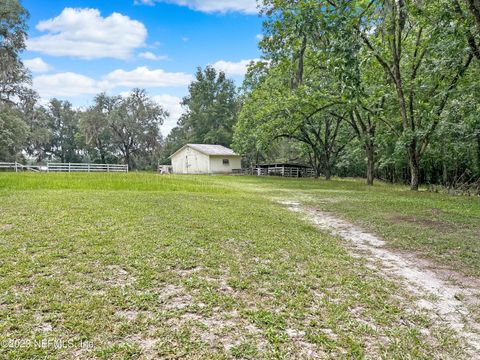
(209,149)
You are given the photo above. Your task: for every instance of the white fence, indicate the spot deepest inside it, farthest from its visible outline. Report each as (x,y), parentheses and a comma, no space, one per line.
(80,167)
(19,167)
(65,167)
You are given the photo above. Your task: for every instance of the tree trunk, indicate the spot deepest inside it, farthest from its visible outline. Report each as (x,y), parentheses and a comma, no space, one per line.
(369,148)
(102,151)
(414,168)
(328,171)
(128,158)
(478,152)
(444,173)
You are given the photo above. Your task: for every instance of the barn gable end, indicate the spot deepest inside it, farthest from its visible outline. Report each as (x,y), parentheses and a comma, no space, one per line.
(205,159)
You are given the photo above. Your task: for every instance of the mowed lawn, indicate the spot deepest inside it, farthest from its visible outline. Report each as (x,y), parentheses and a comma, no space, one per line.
(129,266)
(436,226)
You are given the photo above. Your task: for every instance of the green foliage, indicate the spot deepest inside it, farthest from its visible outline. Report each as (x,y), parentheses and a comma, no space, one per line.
(114,129)
(386,88)
(13,133)
(63,121)
(13,32)
(399,75)
(135,124)
(211,110)
(96,131)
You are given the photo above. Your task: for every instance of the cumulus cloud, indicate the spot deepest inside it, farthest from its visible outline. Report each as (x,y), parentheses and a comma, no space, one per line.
(211,6)
(64,84)
(71,84)
(148,55)
(144,77)
(86,34)
(37,65)
(233,68)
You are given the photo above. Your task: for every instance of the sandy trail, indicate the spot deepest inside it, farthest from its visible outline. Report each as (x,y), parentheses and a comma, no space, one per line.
(446,300)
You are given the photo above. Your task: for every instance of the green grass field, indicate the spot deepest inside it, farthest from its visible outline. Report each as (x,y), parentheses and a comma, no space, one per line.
(440,227)
(129,266)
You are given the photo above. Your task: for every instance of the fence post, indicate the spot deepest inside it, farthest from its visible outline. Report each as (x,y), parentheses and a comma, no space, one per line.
(16,169)
(88,167)
(68,167)
(108,167)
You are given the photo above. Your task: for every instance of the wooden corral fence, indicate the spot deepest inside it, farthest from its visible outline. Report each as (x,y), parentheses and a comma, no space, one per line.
(66,167)
(286,170)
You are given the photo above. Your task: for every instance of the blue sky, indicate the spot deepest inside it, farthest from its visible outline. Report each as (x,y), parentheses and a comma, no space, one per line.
(77,48)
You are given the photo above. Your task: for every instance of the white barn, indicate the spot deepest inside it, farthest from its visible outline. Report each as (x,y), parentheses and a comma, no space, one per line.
(205,159)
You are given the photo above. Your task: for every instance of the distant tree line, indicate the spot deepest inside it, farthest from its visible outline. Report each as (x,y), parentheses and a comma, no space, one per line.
(380,89)
(386,89)
(114,128)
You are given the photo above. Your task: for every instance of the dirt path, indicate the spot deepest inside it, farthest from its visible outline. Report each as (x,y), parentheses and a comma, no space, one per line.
(448,301)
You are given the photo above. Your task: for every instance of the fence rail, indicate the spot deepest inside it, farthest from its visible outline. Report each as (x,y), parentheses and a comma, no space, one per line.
(7,165)
(65,167)
(17,166)
(286,171)
(81,167)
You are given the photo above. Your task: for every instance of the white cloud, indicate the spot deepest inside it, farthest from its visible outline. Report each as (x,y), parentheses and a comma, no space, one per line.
(144,2)
(71,84)
(37,65)
(86,34)
(64,84)
(148,55)
(233,68)
(172,105)
(259,37)
(144,77)
(211,6)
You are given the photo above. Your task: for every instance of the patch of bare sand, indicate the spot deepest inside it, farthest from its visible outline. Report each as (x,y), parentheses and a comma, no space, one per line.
(189,272)
(220,329)
(175,297)
(437,293)
(132,314)
(146,345)
(116,275)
